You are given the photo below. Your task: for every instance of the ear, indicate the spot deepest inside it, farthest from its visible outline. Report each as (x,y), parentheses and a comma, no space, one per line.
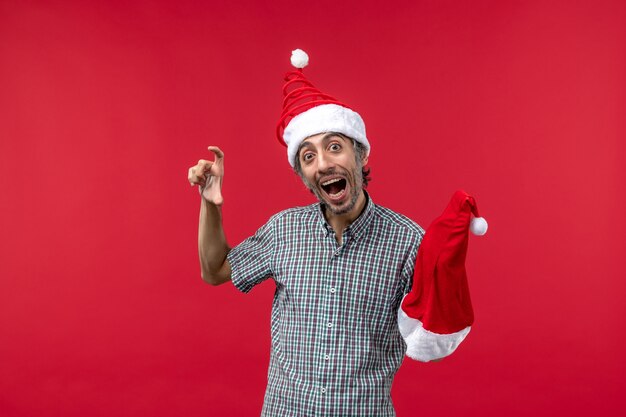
(364,160)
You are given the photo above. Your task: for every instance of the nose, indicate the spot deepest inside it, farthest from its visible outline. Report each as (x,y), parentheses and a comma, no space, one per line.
(324,162)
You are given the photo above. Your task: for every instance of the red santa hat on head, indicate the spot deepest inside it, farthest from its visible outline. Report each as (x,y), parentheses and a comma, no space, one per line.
(307,112)
(437,314)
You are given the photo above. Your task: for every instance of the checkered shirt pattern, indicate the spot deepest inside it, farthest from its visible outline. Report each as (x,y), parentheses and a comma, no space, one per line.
(335,340)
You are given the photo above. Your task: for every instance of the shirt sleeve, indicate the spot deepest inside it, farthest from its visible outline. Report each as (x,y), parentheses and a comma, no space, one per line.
(250,261)
(409,266)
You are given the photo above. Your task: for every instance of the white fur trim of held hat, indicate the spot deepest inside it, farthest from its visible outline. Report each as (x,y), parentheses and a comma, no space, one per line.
(321,119)
(424,345)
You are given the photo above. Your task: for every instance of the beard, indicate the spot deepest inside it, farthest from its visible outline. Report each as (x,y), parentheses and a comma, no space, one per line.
(353,179)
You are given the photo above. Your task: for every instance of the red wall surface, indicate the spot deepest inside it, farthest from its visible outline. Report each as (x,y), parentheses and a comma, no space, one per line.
(105,105)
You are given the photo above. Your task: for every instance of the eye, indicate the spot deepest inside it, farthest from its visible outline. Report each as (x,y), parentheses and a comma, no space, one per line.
(307,156)
(334,146)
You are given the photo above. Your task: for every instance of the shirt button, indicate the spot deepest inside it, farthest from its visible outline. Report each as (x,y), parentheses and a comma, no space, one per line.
(323,390)
(327,357)
(330,324)
(332,290)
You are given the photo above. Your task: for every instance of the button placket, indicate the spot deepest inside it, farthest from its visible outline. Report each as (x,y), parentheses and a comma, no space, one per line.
(326,365)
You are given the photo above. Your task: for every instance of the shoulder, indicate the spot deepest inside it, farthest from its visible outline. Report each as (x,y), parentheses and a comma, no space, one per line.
(397,222)
(294,214)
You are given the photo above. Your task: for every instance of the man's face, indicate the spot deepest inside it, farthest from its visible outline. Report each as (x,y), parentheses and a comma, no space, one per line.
(330,169)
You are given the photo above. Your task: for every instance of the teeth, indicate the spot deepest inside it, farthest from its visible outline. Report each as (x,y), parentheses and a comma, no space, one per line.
(331,181)
(339,194)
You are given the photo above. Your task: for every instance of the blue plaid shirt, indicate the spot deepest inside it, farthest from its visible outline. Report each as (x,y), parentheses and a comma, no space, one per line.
(335,340)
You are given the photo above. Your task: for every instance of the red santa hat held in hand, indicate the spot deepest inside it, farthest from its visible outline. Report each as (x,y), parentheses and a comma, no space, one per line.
(437,314)
(307,112)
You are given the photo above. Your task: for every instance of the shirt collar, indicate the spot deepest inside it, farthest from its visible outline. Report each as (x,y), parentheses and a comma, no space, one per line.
(357,227)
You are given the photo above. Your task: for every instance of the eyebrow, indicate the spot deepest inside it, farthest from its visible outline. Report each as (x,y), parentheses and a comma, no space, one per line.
(303,145)
(334,134)
(324,139)
(330,135)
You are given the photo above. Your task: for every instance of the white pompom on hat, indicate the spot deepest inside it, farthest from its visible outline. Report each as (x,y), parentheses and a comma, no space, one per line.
(299,58)
(478,226)
(307,112)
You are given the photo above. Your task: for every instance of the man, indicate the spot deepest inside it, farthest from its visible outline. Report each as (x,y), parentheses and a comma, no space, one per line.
(341,266)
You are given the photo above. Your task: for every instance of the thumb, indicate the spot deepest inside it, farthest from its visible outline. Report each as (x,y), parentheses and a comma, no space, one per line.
(219,155)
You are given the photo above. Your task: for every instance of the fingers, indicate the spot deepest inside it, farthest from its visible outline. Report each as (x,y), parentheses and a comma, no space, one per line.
(197,174)
(194,178)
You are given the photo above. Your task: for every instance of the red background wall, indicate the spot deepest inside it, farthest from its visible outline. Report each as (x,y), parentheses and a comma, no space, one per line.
(104,106)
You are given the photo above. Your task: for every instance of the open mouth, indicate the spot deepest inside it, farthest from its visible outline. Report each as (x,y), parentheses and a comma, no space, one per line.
(335,187)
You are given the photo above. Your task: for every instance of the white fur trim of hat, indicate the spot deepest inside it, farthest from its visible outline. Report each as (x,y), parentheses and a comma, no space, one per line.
(321,119)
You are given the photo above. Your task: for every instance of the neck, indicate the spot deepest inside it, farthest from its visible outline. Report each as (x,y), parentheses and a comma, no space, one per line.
(340,221)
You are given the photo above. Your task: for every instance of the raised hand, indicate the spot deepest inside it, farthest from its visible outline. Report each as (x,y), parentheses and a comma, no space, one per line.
(209,175)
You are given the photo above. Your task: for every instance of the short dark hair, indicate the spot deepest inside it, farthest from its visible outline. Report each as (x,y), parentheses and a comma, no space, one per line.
(360,152)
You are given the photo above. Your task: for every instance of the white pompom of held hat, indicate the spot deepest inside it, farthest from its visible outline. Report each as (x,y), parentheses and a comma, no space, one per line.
(307,112)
